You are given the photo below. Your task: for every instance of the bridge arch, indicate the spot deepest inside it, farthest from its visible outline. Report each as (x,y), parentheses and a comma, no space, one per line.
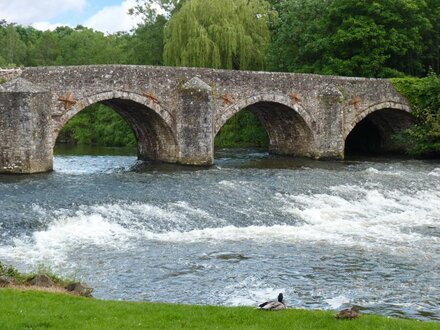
(288,125)
(152,125)
(372,130)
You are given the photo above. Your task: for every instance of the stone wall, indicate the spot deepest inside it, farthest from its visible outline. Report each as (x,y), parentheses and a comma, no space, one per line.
(176,112)
(8,74)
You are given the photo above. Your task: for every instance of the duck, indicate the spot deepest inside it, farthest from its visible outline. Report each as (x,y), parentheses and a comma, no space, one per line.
(349,313)
(273,305)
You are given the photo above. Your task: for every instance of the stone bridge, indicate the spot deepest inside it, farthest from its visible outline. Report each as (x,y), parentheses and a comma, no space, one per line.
(175,113)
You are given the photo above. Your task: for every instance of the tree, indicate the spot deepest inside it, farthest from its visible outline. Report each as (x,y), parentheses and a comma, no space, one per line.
(349,37)
(146,45)
(46,50)
(82,45)
(297,42)
(149,10)
(12,48)
(431,37)
(229,34)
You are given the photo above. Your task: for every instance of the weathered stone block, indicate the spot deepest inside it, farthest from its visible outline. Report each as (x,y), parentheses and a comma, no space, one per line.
(195,123)
(25,128)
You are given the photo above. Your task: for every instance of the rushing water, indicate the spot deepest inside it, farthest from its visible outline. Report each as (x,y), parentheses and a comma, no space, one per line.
(326,234)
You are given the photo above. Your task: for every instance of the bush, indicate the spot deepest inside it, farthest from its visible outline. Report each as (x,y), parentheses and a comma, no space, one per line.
(6,270)
(423,139)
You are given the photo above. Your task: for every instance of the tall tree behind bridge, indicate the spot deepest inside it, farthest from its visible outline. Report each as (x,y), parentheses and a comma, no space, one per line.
(12,48)
(149,10)
(357,38)
(229,34)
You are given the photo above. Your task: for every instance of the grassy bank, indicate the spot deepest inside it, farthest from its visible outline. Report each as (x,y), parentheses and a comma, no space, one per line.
(42,310)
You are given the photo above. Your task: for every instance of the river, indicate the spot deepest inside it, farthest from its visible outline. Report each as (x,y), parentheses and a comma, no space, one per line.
(326,234)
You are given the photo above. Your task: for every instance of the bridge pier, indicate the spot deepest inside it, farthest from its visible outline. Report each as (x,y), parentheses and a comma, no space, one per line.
(195,124)
(328,128)
(25,128)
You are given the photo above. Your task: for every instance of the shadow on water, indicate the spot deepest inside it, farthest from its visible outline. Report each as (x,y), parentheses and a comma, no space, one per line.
(150,166)
(241,158)
(92,150)
(262,159)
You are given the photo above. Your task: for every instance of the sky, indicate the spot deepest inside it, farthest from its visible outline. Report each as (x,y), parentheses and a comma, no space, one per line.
(107,16)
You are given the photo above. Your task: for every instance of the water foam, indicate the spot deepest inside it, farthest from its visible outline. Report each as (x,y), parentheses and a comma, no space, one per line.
(346,215)
(435,172)
(250,292)
(354,215)
(374,171)
(52,245)
(111,226)
(337,302)
(87,165)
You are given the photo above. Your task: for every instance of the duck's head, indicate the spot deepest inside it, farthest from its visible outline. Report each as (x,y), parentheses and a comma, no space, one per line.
(280,297)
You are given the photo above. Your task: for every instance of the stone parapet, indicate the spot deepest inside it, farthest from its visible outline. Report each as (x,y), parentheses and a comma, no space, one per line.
(8,74)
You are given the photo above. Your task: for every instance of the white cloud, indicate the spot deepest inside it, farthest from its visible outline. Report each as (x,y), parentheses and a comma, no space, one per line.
(44,26)
(114,18)
(30,11)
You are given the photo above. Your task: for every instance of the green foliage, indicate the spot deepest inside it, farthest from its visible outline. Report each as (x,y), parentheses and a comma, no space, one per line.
(242,130)
(100,125)
(149,10)
(12,48)
(6,270)
(85,46)
(146,45)
(26,46)
(431,37)
(23,310)
(423,139)
(21,278)
(228,34)
(357,38)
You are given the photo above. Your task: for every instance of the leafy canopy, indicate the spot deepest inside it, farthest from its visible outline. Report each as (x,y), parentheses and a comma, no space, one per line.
(355,38)
(229,34)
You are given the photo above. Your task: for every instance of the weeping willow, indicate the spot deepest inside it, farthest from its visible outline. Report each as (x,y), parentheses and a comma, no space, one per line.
(228,34)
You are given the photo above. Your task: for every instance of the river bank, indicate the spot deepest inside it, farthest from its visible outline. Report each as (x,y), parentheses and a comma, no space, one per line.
(23,310)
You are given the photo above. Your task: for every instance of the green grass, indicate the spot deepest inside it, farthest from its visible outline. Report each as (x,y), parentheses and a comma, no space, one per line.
(41,310)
